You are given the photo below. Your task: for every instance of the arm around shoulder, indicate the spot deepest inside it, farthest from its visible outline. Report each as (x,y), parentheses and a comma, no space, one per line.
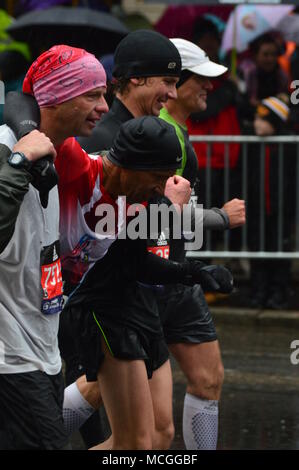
(14,184)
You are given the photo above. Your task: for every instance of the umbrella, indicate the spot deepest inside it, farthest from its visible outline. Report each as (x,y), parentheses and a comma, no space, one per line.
(217,2)
(28,5)
(177,21)
(289,27)
(96,31)
(247,22)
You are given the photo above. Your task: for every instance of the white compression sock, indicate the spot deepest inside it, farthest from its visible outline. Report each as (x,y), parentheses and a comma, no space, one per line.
(200,423)
(76,410)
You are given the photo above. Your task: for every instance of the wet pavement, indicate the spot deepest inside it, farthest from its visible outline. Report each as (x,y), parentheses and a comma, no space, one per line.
(260,400)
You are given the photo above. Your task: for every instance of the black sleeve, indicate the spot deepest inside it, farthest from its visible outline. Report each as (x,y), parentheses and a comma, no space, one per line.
(157,270)
(14,184)
(153,269)
(21,113)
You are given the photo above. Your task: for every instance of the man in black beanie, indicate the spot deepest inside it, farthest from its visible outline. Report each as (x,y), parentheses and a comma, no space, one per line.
(145,83)
(120,336)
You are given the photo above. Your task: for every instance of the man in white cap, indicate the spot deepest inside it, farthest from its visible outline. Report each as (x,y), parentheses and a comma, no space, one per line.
(187,322)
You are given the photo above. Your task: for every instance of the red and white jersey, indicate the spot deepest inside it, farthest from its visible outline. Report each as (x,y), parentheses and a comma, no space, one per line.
(80,194)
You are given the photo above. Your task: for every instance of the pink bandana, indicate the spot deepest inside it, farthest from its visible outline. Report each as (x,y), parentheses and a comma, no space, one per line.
(62,73)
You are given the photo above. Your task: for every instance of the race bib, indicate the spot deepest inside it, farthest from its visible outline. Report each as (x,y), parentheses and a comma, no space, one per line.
(51,279)
(159,247)
(162,251)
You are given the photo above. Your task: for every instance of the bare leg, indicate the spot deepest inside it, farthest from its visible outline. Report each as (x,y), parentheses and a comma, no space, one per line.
(161,391)
(126,395)
(90,391)
(202,366)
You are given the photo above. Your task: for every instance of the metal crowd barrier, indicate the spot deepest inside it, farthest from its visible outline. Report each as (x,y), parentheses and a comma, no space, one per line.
(244,252)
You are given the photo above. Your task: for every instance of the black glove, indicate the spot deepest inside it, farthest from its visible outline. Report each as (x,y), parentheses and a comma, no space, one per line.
(22,115)
(211,277)
(44,178)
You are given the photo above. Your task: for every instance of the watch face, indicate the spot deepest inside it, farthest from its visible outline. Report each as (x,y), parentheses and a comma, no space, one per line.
(19,160)
(16,159)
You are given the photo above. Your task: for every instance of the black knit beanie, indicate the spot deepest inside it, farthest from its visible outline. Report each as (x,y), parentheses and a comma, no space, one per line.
(146,53)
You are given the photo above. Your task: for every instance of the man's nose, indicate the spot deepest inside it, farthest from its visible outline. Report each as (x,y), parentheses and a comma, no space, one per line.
(172,94)
(208,84)
(102,106)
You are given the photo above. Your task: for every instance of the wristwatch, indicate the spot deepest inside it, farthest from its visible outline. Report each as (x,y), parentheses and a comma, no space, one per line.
(19,160)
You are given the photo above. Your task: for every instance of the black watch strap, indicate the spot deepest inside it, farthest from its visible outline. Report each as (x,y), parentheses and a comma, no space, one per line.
(19,160)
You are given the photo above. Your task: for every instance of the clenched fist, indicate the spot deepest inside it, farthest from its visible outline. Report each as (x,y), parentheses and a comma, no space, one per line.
(35,145)
(178,190)
(236,212)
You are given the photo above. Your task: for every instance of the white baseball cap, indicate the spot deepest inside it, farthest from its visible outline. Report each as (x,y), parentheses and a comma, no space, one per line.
(196,60)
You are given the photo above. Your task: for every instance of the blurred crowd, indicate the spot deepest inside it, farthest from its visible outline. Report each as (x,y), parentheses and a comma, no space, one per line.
(266,68)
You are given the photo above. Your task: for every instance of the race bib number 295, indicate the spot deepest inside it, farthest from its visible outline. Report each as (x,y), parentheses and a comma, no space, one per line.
(162,251)
(51,279)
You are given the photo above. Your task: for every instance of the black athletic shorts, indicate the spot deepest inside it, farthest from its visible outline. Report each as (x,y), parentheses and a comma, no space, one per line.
(131,330)
(185,315)
(31,412)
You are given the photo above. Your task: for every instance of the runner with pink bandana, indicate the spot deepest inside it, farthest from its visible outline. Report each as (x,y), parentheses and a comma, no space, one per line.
(69,85)
(62,73)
